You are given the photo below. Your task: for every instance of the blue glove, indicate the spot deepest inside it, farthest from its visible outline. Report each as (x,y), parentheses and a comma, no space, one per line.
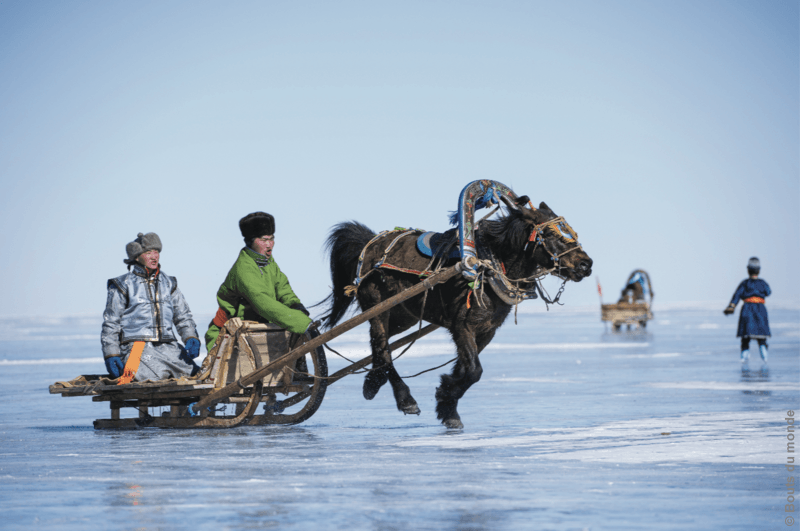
(114,366)
(193,347)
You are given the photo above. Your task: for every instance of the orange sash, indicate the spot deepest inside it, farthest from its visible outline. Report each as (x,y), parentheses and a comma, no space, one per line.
(132,365)
(220,318)
(756,300)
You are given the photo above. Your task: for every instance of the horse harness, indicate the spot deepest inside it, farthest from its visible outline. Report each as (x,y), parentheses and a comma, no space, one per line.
(350,291)
(564,231)
(491,270)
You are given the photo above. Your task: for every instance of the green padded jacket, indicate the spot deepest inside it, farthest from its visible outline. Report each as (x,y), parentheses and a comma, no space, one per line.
(257,290)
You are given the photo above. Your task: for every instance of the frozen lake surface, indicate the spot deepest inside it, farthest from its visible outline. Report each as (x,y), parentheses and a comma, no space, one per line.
(571,427)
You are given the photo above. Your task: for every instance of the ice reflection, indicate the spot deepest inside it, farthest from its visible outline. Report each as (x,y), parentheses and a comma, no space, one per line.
(755,376)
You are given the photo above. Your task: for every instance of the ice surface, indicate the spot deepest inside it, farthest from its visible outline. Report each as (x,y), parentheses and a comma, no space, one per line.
(53,361)
(570,427)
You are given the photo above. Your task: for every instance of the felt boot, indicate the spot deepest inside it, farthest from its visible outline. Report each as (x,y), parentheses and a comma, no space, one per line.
(763,350)
(745,355)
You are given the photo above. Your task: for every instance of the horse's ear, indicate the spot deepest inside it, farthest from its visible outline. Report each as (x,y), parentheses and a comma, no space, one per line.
(543,206)
(521,200)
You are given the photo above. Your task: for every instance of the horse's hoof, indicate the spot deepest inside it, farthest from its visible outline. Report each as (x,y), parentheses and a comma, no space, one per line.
(373,383)
(453,424)
(411,409)
(370,390)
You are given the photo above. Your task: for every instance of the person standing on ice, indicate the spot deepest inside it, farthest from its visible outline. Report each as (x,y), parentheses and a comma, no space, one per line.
(142,305)
(753,319)
(255,288)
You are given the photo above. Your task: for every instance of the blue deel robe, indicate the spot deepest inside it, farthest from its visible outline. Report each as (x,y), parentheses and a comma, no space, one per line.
(753,320)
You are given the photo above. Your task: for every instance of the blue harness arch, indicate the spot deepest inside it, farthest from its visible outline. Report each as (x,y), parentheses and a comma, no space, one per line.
(474,196)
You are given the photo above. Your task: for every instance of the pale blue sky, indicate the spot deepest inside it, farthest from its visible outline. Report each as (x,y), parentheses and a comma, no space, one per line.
(666,132)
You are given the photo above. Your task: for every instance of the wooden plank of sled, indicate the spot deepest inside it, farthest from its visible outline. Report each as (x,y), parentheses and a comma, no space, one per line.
(157,422)
(165,389)
(318,341)
(118,404)
(154,388)
(152,395)
(202,421)
(77,390)
(184,392)
(73,391)
(164,385)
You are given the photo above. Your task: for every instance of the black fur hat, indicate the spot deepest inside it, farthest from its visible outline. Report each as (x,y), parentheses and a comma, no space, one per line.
(256,225)
(753,265)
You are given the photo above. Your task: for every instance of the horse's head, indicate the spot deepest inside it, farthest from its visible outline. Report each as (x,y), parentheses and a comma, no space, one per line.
(550,242)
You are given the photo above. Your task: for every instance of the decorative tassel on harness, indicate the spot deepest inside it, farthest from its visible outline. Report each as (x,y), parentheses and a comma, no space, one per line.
(350,291)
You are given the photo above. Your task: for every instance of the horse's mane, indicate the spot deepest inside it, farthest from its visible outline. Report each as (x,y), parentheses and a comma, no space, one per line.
(507,234)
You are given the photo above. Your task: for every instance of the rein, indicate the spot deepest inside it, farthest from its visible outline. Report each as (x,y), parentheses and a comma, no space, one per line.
(566,233)
(512,291)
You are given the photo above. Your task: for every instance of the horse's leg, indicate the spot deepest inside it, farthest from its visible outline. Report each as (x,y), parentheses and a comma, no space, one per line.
(402,394)
(383,368)
(481,340)
(466,372)
(381,357)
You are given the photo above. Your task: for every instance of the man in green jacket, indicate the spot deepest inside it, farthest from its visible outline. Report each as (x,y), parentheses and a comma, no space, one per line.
(255,288)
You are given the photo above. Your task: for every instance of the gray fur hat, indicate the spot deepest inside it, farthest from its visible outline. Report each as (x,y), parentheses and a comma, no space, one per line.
(753,265)
(142,244)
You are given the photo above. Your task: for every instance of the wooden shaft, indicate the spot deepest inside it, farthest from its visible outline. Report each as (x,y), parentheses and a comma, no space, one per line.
(249,379)
(338,375)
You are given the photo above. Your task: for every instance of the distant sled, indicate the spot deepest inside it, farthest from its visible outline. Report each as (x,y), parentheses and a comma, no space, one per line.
(633,307)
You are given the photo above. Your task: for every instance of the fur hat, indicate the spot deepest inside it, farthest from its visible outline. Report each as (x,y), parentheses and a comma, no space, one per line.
(256,225)
(753,265)
(142,244)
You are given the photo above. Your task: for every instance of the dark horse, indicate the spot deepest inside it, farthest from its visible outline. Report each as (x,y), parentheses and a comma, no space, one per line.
(472,317)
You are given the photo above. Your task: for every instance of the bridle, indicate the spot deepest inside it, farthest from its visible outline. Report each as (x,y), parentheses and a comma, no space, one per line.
(564,232)
(512,291)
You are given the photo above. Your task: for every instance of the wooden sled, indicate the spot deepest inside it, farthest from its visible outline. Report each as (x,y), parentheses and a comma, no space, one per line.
(251,364)
(629,312)
(290,395)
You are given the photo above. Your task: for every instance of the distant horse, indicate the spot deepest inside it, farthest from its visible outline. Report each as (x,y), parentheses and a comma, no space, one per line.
(524,245)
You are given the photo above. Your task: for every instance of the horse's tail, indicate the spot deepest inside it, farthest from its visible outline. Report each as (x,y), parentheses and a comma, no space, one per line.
(344,244)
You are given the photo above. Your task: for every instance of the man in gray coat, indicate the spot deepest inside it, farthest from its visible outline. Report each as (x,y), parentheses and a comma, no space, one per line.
(142,306)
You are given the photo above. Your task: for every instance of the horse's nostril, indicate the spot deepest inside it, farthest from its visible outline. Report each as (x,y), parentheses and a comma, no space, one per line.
(585,266)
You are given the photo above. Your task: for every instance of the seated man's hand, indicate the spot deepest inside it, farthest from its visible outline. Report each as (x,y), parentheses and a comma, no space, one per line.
(193,347)
(729,310)
(299,306)
(114,366)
